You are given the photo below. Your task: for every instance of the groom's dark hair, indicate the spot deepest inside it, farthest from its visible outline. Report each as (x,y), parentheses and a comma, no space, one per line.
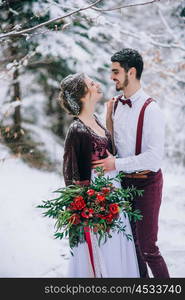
(129,58)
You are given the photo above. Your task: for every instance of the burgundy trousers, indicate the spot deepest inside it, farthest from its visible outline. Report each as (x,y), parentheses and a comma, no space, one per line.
(145,231)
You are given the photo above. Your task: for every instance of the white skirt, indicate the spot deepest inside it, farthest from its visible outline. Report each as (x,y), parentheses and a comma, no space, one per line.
(114,258)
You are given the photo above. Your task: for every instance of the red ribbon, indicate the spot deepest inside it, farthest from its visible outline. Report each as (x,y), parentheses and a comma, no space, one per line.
(88,240)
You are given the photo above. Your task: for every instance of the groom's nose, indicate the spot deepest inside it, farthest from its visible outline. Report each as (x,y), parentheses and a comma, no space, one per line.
(112,76)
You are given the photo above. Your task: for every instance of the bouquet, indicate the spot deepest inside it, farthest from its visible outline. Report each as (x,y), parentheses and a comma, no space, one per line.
(96,207)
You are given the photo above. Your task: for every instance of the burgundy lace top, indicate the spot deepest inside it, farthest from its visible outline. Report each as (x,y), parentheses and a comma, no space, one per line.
(82,145)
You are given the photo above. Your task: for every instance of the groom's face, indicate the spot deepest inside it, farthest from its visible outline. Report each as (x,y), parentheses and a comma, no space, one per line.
(119,76)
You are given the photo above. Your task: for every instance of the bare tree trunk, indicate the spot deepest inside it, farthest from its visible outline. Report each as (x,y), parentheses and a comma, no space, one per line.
(16,96)
(15,88)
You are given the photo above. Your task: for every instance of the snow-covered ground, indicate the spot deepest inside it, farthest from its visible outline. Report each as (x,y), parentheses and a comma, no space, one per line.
(28,248)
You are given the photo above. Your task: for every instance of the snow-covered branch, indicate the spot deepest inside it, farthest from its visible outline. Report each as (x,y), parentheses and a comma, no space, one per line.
(168,73)
(29,30)
(170,31)
(9,108)
(152,41)
(124,6)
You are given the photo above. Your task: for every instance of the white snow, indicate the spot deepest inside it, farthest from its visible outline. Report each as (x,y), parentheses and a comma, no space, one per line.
(28,248)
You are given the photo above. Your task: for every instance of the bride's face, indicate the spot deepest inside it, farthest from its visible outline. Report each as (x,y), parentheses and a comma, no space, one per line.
(94,89)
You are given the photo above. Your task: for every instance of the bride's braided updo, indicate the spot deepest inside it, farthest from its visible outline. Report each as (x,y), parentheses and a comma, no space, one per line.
(73,88)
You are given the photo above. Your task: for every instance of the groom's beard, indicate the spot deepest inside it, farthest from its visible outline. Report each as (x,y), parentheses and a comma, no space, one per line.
(124,85)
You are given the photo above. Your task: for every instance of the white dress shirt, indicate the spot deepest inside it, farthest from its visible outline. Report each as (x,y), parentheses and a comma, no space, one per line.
(125,122)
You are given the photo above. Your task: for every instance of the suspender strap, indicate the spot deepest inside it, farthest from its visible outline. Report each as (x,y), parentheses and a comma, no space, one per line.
(140,126)
(116,102)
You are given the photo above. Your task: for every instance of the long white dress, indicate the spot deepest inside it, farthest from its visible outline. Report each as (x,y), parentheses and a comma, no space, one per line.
(114,258)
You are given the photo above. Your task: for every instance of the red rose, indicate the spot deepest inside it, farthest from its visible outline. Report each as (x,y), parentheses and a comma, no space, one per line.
(79,202)
(105,190)
(114,208)
(78,198)
(90,192)
(72,206)
(74,219)
(109,218)
(87,213)
(100,197)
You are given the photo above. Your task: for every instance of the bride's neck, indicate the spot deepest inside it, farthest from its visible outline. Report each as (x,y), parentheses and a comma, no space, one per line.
(87,114)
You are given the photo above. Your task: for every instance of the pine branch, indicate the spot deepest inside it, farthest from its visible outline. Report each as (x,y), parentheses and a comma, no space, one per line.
(29,30)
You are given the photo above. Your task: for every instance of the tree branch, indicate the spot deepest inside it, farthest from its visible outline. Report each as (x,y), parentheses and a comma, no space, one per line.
(165,22)
(124,6)
(153,42)
(29,30)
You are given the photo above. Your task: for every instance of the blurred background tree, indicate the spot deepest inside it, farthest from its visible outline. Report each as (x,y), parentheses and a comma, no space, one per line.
(34,63)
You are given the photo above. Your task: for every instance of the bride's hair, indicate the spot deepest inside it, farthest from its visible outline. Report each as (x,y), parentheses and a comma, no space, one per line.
(73,88)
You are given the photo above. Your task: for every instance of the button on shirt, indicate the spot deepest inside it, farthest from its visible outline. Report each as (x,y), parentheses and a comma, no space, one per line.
(125,122)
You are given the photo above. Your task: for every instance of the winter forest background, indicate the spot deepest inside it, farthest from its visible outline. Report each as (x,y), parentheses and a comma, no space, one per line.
(39,45)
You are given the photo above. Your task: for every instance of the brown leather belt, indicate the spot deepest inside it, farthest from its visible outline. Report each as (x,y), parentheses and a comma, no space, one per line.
(142,174)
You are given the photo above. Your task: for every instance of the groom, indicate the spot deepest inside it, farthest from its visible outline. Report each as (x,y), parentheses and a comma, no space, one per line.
(138,129)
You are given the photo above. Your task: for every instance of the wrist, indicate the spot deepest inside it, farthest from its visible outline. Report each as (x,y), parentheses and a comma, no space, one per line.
(109,116)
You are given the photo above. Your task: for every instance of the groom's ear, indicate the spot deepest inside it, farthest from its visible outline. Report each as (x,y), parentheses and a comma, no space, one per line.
(132,72)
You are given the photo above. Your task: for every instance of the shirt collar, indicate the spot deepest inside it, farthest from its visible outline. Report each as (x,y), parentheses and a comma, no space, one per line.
(137,95)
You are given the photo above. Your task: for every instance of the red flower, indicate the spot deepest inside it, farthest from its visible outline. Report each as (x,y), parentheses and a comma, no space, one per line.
(105,190)
(109,218)
(87,213)
(101,216)
(78,203)
(114,208)
(74,219)
(78,198)
(100,197)
(90,192)
(72,206)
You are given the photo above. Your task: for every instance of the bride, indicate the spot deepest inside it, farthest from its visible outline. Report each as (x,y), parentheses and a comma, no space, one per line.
(87,140)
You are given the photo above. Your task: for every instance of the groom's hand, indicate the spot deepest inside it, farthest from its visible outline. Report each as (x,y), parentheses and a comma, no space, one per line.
(108,164)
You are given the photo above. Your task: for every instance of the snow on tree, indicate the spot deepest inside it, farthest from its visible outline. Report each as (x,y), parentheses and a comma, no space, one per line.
(44,41)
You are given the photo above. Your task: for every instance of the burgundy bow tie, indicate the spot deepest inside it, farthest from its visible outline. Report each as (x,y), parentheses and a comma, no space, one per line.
(128,101)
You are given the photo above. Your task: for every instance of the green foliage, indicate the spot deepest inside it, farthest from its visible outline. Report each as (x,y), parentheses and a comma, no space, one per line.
(182,14)
(97,201)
